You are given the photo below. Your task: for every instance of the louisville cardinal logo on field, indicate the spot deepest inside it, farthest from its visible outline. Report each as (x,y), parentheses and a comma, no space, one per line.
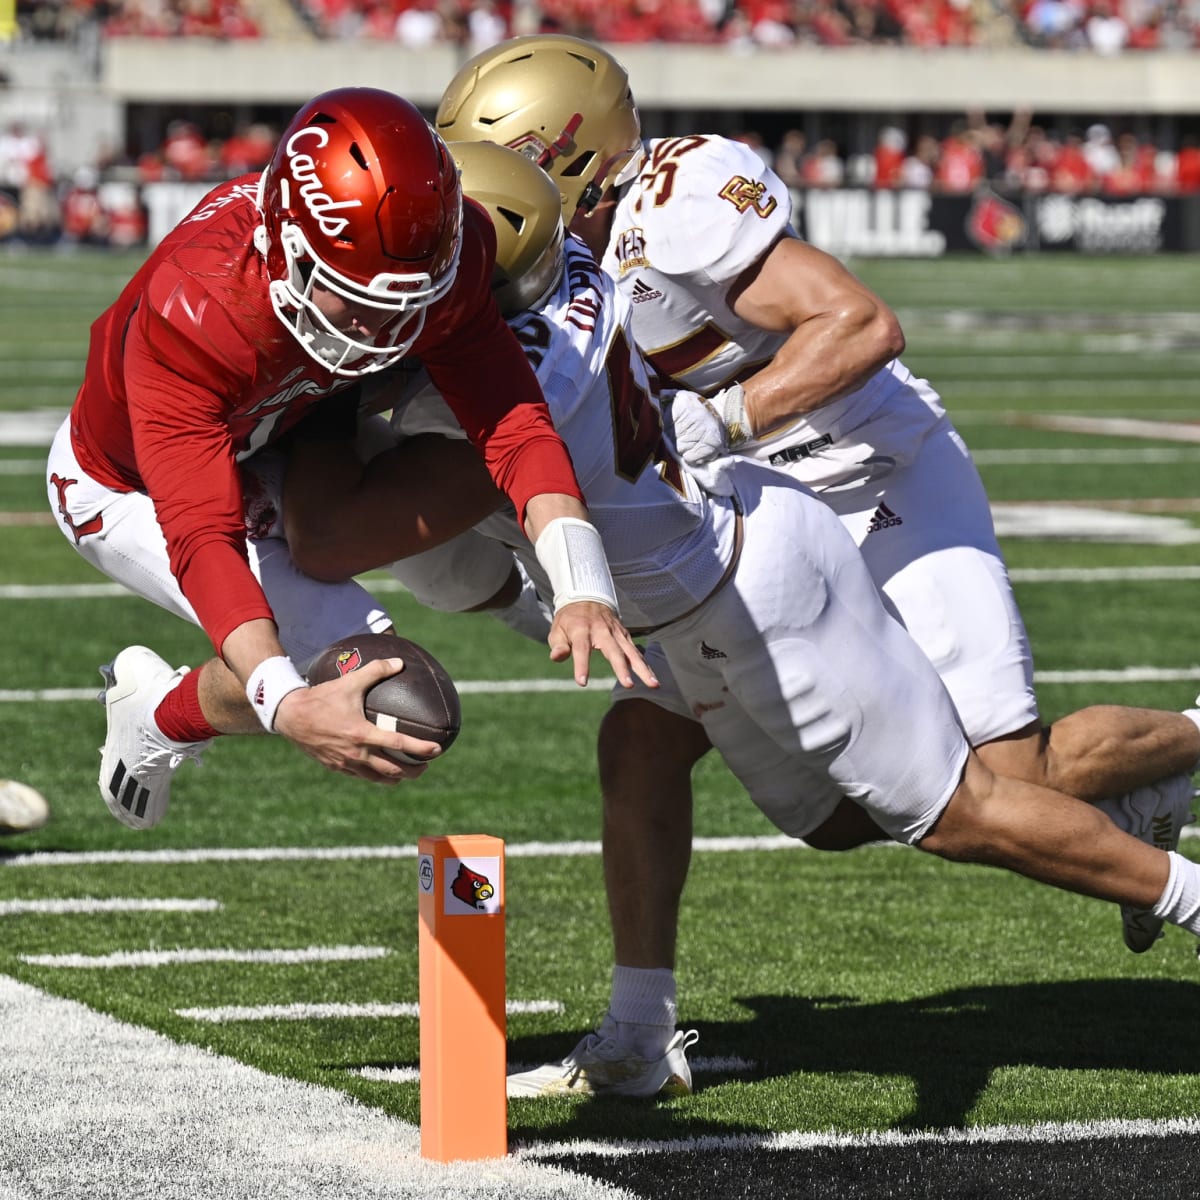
(472,888)
(348,660)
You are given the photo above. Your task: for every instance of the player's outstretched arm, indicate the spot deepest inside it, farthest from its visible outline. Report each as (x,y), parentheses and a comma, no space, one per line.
(840,331)
(327,722)
(585,604)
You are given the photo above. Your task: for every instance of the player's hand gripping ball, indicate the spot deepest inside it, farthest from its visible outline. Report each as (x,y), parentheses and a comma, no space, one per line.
(421,700)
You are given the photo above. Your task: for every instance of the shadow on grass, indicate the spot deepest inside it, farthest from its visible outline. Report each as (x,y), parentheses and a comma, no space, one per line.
(948,1044)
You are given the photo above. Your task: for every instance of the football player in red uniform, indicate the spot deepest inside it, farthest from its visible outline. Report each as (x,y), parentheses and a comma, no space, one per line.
(351,251)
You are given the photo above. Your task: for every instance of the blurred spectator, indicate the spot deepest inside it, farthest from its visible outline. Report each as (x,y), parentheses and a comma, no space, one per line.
(790,156)
(918,168)
(186,152)
(1187,166)
(754,139)
(420,25)
(1106,30)
(960,162)
(1070,172)
(84,221)
(248,149)
(1134,171)
(1099,150)
(823,168)
(485,26)
(890,152)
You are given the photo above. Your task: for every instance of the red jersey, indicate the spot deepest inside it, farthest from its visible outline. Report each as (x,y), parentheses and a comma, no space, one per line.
(190,369)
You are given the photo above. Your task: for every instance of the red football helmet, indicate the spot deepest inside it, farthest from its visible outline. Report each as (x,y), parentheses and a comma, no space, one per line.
(361,199)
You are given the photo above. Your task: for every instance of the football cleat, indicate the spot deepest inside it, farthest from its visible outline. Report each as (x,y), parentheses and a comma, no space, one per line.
(602,1066)
(1155,814)
(137,761)
(22,808)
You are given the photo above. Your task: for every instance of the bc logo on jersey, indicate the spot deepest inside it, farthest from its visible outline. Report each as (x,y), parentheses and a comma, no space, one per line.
(746,195)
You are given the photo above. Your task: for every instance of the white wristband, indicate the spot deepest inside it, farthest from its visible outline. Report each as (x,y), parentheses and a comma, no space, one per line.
(572,555)
(269,682)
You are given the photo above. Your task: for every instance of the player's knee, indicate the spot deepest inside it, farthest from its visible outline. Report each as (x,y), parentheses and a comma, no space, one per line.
(643,749)
(848,826)
(963,831)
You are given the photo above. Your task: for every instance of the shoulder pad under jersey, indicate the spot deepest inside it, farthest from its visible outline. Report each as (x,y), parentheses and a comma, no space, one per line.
(708,206)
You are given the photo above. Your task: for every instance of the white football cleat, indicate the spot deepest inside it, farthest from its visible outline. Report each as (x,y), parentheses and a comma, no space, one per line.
(602,1066)
(1155,814)
(137,761)
(22,808)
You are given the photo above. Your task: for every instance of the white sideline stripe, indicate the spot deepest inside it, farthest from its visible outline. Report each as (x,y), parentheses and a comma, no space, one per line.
(1045,1132)
(390,1074)
(110,1111)
(330,1012)
(1178,431)
(1076,458)
(87,858)
(1104,574)
(172,958)
(700,1066)
(89,904)
(500,687)
(1023,457)
(76,858)
(88,591)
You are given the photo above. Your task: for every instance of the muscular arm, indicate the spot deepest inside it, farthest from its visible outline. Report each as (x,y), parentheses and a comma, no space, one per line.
(840,332)
(343,518)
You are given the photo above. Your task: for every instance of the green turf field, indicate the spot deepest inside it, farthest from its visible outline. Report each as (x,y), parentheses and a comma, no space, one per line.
(879,990)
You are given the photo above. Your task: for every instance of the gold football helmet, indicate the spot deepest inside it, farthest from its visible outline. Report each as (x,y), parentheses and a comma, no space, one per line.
(558,100)
(526,210)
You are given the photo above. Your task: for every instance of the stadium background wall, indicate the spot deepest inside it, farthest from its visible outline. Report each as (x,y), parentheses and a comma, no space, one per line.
(124,92)
(907,224)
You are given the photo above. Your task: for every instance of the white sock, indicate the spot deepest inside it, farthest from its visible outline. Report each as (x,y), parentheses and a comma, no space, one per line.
(1180,901)
(643,1006)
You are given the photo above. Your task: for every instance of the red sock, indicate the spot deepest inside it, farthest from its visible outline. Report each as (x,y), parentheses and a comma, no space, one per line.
(179,715)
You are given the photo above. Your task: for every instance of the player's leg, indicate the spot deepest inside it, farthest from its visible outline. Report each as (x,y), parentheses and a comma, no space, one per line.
(158,717)
(940,568)
(646,751)
(474,572)
(1048,836)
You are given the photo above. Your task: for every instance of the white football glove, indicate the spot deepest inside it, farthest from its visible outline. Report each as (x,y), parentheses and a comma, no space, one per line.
(706,431)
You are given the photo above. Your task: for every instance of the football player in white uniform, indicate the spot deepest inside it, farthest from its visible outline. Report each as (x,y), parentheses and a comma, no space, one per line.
(764,613)
(797,362)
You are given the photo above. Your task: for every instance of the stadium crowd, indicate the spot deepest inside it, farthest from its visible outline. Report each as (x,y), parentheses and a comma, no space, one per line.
(1020,156)
(1103,26)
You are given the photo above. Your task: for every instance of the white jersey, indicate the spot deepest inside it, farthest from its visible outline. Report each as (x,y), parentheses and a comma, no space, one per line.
(667,543)
(700,212)
(885,458)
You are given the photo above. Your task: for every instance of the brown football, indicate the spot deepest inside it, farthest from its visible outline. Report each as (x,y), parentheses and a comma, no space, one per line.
(421,700)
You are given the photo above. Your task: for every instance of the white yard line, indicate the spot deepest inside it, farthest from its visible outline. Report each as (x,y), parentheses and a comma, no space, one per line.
(993,1135)
(183,957)
(336,1012)
(159,858)
(493,687)
(81,858)
(89,904)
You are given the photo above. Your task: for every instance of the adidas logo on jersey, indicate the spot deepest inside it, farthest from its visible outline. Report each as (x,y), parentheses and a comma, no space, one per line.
(710,652)
(642,292)
(883,518)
